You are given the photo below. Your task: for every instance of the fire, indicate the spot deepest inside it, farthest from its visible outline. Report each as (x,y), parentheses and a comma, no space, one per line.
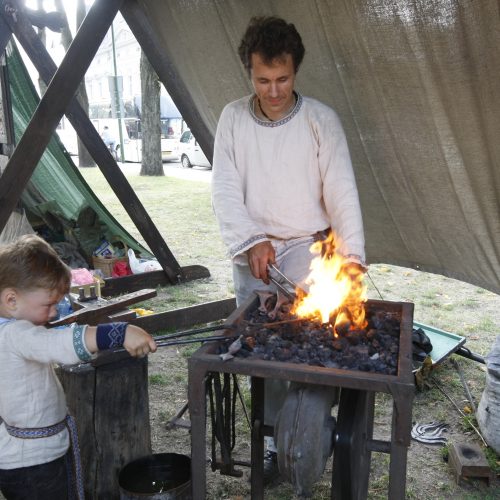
(336,292)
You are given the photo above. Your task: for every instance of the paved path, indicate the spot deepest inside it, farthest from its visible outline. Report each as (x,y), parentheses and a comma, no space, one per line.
(171,169)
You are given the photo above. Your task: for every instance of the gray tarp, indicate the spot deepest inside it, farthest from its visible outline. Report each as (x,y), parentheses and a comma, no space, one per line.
(417,86)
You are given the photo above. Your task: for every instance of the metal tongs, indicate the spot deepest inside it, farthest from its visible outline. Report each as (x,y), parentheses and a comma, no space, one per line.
(283,280)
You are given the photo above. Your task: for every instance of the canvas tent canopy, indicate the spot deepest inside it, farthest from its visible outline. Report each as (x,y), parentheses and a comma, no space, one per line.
(416,85)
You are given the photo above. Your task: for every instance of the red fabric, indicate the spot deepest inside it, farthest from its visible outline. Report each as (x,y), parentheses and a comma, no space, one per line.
(121,268)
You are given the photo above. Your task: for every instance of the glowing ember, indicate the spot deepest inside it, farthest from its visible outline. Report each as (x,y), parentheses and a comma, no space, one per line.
(336,290)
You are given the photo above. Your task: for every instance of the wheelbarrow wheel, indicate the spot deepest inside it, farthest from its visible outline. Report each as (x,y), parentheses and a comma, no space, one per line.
(351,459)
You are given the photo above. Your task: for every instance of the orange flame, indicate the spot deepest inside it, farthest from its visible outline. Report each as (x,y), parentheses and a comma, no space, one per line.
(336,291)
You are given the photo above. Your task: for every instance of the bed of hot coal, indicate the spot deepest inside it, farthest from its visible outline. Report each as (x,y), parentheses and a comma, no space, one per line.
(372,349)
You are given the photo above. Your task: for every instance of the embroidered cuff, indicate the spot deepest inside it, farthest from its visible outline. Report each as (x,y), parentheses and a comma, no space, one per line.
(79,342)
(110,335)
(243,247)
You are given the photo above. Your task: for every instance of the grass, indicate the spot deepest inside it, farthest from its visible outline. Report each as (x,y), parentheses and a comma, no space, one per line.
(158,379)
(182,212)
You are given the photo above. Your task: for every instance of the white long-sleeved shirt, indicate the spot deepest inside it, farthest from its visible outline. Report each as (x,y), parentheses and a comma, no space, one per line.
(284,179)
(30,392)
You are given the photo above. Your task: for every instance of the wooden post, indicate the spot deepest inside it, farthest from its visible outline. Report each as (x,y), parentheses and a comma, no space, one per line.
(111,406)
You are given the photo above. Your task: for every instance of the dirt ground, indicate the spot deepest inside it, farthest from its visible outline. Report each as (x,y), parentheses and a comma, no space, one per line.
(429,476)
(442,302)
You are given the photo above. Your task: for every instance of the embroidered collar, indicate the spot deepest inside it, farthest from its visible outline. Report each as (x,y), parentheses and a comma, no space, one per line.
(277,123)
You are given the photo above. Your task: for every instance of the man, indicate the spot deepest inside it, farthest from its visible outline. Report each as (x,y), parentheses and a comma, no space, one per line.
(109,139)
(282,174)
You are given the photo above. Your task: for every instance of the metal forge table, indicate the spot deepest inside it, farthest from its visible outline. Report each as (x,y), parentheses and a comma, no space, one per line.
(354,431)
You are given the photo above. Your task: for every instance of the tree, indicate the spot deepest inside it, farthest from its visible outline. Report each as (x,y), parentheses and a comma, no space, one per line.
(150,120)
(85,160)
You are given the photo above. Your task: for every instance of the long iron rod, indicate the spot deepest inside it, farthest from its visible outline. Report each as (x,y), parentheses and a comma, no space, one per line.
(200,339)
(282,276)
(468,394)
(286,279)
(187,333)
(105,357)
(288,293)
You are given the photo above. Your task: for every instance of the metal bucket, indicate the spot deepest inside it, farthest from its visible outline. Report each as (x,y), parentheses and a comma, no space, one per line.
(162,476)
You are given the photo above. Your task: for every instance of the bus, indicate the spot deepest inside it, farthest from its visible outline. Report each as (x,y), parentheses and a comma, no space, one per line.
(172,126)
(171,131)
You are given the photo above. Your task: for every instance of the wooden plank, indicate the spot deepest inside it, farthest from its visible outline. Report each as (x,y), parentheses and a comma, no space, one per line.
(187,317)
(123,284)
(100,153)
(167,73)
(92,315)
(51,108)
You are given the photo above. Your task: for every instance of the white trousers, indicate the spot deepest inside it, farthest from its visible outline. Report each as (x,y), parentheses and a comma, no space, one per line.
(293,259)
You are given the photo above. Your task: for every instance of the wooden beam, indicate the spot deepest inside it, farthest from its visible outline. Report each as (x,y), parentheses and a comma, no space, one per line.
(188,316)
(7,137)
(51,108)
(167,73)
(115,286)
(5,35)
(99,152)
(93,314)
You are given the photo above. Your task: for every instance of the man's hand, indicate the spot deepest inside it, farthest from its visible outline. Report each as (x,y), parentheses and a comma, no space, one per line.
(259,256)
(354,270)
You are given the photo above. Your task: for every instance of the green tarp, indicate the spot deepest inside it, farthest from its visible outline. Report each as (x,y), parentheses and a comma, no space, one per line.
(56,185)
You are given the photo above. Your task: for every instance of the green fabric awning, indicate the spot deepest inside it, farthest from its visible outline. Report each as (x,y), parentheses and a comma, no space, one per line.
(56,185)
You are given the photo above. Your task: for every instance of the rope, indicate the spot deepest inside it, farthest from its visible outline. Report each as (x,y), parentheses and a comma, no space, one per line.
(374,286)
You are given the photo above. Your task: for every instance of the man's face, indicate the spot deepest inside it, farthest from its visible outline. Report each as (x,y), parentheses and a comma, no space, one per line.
(273,84)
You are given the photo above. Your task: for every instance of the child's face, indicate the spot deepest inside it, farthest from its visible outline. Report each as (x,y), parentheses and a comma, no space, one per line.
(37,306)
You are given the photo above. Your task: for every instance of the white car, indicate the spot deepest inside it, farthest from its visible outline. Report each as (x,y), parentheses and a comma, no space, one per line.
(191,153)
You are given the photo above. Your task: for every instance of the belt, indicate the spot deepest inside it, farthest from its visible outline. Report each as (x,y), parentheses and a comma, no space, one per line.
(317,236)
(52,430)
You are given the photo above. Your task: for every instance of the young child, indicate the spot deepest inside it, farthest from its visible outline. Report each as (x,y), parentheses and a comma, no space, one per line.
(34,437)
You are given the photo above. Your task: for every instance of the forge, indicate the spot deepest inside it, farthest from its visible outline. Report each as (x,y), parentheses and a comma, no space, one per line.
(373,348)
(306,438)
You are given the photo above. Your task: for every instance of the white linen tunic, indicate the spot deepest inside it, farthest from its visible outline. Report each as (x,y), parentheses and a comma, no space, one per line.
(30,392)
(284,179)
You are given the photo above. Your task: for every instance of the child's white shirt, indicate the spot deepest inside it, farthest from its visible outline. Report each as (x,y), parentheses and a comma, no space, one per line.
(31,395)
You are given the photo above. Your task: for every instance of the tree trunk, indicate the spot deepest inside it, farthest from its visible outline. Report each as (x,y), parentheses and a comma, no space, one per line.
(150,120)
(85,160)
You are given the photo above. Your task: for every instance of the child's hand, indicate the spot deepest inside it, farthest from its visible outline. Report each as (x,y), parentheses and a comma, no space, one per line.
(138,342)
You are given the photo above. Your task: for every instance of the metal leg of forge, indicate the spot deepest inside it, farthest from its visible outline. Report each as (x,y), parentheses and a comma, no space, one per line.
(354,441)
(351,459)
(257,453)
(197,412)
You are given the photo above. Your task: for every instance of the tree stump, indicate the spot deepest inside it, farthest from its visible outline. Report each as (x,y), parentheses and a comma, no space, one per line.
(111,407)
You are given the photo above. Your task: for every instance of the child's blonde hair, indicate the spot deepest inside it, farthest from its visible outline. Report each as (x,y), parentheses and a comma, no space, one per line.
(29,263)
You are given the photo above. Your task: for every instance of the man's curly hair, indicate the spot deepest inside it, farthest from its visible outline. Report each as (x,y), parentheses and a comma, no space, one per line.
(272,38)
